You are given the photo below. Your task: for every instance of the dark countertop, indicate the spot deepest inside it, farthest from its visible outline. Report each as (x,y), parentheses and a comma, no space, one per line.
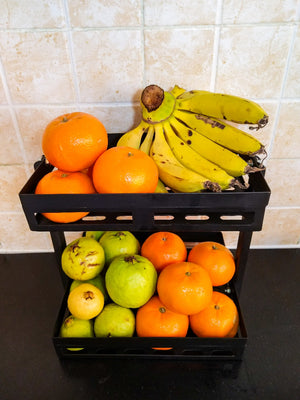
(30,296)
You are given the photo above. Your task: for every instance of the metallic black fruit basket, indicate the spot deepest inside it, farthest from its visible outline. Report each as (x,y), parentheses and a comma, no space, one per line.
(194,216)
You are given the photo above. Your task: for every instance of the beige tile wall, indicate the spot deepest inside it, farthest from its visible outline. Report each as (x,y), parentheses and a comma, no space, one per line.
(58,56)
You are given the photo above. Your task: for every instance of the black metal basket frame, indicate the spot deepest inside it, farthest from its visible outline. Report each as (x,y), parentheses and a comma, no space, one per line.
(194,216)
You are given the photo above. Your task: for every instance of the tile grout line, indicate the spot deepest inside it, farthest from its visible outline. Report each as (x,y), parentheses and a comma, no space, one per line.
(71,53)
(14,118)
(143,42)
(217,32)
(283,85)
(152,27)
(124,104)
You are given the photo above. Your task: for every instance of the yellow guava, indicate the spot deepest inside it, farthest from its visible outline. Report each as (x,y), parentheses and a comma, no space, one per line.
(86,301)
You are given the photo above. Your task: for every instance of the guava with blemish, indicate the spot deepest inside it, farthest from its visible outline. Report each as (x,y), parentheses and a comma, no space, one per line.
(83,259)
(73,327)
(116,243)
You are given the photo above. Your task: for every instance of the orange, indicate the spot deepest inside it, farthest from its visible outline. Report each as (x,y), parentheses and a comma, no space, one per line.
(184,287)
(153,319)
(73,142)
(216,259)
(60,182)
(163,248)
(125,170)
(219,319)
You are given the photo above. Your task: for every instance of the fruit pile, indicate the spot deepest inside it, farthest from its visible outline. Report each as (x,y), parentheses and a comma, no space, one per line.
(182,144)
(158,288)
(76,145)
(185,133)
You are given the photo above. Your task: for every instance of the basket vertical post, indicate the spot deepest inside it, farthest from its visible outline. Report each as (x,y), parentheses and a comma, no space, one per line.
(241,257)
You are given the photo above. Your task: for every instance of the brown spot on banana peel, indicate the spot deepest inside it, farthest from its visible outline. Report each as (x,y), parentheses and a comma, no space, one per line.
(260,124)
(214,124)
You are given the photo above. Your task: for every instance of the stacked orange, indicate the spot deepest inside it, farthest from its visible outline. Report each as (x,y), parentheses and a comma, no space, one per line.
(76,145)
(185,289)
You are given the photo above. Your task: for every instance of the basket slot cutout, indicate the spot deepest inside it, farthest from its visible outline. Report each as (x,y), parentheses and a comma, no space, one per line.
(111,218)
(197,217)
(124,218)
(162,217)
(94,218)
(236,217)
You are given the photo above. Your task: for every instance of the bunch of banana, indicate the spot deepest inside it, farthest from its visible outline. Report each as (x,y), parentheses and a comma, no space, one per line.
(194,149)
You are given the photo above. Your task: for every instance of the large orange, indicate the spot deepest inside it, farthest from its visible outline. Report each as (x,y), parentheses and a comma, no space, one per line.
(163,248)
(219,319)
(73,142)
(125,170)
(154,319)
(60,182)
(184,287)
(216,258)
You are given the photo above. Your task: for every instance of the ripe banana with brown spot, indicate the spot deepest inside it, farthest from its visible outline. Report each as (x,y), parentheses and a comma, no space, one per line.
(231,162)
(174,174)
(223,106)
(194,161)
(225,135)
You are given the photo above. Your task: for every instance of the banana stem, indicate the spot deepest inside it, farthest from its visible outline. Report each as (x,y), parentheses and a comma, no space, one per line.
(152,97)
(157,105)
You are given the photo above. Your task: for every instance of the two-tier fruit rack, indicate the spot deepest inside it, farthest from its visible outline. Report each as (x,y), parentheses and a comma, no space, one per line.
(195,217)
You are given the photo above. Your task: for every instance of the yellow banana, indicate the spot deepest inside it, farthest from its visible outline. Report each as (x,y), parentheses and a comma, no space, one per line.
(223,106)
(194,161)
(161,188)
(226,135)
(177,91)
(145,147)
(231,162)
(147,142)
(133,137)
(174,174)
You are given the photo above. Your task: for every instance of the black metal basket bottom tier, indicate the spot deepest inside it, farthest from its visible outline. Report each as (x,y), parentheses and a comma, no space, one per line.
(190,347)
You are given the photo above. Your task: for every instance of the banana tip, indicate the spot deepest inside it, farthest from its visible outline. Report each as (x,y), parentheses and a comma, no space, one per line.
(213,186)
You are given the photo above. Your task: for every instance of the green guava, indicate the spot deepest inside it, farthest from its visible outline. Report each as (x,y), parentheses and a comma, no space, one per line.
(83,259)
(130,280)
(94,234)
(116,243)
(114,321)
(99,282)
(74,327)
